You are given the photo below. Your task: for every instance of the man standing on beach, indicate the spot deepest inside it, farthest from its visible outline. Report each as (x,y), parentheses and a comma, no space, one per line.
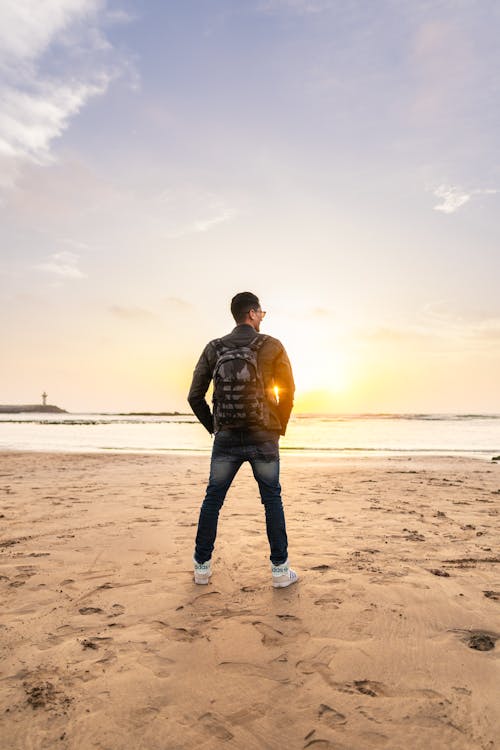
(252,402)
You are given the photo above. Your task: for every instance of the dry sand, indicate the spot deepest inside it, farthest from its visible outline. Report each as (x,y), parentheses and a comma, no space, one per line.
(107,643)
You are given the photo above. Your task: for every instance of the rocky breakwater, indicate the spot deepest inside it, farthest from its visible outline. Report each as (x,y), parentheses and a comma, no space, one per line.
(30,408)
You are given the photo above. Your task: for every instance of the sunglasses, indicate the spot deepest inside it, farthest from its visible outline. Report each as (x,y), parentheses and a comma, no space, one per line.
(262,312)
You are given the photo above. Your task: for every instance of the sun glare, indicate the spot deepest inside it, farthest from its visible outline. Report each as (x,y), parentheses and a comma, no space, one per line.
(327,373)
(321,378)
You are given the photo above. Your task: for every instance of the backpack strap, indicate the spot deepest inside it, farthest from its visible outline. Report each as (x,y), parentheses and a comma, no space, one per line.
(257,343)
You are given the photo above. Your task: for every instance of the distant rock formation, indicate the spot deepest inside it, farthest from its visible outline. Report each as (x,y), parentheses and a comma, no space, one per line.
(30,408)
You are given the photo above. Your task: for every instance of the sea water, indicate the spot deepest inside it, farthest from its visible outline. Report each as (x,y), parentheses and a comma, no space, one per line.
(329,434)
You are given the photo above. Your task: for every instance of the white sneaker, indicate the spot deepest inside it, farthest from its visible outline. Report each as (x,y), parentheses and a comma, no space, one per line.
(202,571)
(283,575)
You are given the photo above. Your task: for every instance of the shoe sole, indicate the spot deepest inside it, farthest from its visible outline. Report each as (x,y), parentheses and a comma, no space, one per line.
(284,584)
(202,580)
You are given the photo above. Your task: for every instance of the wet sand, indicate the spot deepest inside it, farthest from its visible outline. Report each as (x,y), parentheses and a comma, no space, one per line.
(388,641)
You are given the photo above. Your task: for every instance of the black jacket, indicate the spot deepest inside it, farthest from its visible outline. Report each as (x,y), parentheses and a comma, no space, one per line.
(275,368)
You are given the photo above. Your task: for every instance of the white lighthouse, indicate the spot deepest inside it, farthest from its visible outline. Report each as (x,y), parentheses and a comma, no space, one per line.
(44,399)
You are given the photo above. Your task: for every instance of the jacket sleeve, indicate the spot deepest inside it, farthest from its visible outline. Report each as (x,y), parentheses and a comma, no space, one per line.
(202,376)
(283,378)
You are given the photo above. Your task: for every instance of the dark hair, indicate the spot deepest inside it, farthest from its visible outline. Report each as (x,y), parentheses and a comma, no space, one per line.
(242,303)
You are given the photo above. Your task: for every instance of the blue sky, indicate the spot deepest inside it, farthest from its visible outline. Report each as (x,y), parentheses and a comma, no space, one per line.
(338,158)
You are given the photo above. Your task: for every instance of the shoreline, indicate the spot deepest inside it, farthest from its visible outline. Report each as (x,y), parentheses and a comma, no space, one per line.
(325,454)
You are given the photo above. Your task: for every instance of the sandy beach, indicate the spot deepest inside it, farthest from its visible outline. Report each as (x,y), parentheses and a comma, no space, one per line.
(387,641)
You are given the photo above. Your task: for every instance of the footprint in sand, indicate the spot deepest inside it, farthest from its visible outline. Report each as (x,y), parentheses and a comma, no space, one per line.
(332,600)
(270,636)
(247,715)
(276,671)
(414,536)
(329,716)
(379,690)
(319,664)
(214,726)
(25,572)
(292,627)
(94,641)
(90,610)
(439,572)
(495,595)
(116,610)
(177,634)
(369,687)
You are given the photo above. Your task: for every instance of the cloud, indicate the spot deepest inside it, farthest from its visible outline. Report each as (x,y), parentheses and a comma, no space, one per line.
(178,303)
(28,28)
(188,210)
(453,197)
(54,57)
(396,336)
(63,264)
(488,329)
(29,122)
(439,329)
(202,225)
(442,321)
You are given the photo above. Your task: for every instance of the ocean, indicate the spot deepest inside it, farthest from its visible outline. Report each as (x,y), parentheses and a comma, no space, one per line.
(336,435)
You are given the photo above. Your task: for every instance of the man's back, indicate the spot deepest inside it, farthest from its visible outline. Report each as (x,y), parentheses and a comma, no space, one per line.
(274,367)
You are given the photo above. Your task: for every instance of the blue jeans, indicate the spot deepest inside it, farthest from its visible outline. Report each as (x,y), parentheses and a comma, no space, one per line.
(230,450)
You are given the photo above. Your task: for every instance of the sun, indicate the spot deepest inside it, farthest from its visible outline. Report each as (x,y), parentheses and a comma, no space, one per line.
(327,373)
(322,379)
(321,365)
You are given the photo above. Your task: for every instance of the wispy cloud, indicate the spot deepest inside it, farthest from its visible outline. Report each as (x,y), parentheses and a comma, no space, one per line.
(202,225)
(190,211)
(441,320)
(31,120)
(452,197)
(439,328)
(178,303)
(63,265)
(37,39)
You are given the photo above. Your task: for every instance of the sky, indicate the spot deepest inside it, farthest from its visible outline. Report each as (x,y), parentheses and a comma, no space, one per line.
(339,158)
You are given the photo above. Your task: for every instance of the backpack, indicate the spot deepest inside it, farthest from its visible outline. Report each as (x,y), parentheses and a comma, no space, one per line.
(239,396)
